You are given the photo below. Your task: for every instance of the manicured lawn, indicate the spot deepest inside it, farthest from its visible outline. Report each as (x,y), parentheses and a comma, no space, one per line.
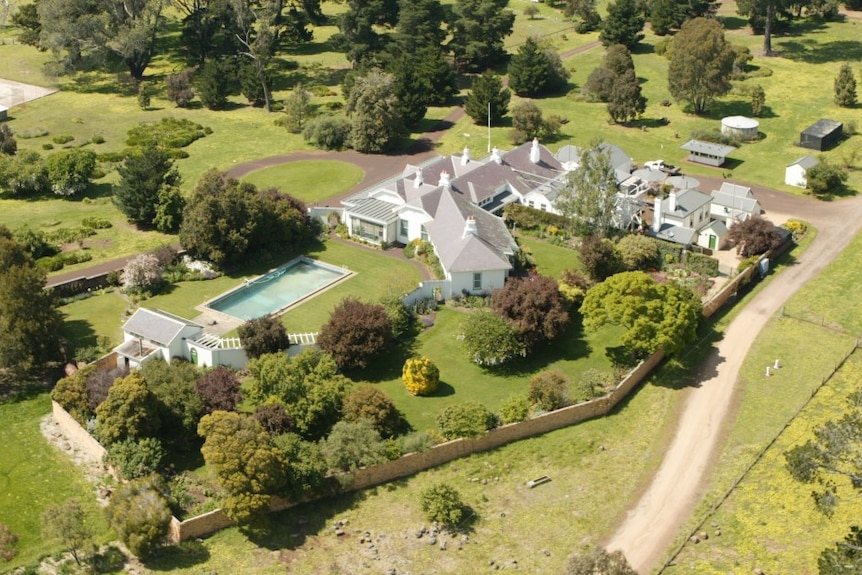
(35,475)
(86,320)
(550,260)
(310,180)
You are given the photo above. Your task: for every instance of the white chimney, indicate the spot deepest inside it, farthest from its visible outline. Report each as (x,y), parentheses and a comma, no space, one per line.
(495,155)
(671,198)
(465,157)
(444,180)
(656,216)
(534,151)
(470,228)
(417,181)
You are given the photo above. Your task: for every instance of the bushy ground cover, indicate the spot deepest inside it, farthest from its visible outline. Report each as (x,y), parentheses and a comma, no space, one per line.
(34,475)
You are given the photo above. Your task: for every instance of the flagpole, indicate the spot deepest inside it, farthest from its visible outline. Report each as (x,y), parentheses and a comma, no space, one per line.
(489,126)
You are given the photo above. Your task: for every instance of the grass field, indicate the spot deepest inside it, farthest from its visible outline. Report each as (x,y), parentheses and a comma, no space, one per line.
(34,475)
(310,180)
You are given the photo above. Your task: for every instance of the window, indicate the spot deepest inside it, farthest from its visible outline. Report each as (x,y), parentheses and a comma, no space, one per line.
(477,281)
(530,203)
(424,234)
(403,227)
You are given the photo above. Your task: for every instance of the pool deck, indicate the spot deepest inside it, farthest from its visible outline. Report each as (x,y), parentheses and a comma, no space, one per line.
(217,323)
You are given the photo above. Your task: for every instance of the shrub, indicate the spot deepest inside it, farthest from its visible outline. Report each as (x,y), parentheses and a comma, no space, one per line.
(442,503)
(370,403)
(716,137)
(263,335)
(98,381)
(139,513)
(70,171)
(638,252)
(166,133)
(219,390)
(96,223)
(143,273)
(353,444)
(796,227)
(274,418)
(356,332)
(574,286)
(535,305)
(134,458)
(490,340)
(515,409)
(327,132)
(754,236)
(701,264)
(8,541)
(47,146)
(62,139)
(97,139)
(179,88)
(549,391)
(416,442)
(527,218)
(599,257)
(592,383)
(468,419)
(420,375)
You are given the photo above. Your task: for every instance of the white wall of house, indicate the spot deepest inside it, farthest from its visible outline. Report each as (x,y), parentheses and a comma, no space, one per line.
(415,219)
(795,175)
(707,238)
(726,215)
(540,202)
(488,281)
(205,356)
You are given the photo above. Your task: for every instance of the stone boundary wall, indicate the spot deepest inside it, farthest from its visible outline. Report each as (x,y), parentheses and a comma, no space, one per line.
(73,430)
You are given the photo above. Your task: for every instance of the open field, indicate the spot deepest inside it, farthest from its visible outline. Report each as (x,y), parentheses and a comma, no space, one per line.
(34,475)
(310,180)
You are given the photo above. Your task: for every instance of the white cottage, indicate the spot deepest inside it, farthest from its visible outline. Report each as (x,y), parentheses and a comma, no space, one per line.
(733,203)
(155,333)
(796,174)
(684,218)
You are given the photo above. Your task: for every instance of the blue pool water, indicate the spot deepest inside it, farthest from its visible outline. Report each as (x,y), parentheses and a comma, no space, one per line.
(277,289)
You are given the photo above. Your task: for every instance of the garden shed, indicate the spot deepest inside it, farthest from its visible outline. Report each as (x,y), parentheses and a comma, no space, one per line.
(821,135)
(707,152)
(740,127)
(795,174)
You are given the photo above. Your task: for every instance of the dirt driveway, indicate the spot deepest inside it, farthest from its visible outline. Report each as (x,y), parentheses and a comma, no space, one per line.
(674,491)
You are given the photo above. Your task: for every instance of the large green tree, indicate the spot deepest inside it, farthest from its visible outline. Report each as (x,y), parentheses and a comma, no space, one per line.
(146,175)
(478,30)
(623,25)
(656,316)
(248,465)
(701,64)
(139,513)
(535,305)
(179,406)
(533,70)
(29,320)
(130,411)
(589,198)
(65,524)
(420,25)
(374,112)
(353,444)
(208,29)
(845,87)
(626,101)
(70,171)
(258,28)
(358,35)
(355,333)
(487,96)
(825,179)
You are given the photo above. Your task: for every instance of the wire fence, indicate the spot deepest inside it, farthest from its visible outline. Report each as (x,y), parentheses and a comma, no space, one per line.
(816,320)
(715,507)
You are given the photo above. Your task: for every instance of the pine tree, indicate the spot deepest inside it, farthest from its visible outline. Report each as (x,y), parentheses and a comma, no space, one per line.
(758,100)
(373,109)
(626,101)
(143,175)
(478,31)
(665,15)
(529,73)
(845,87)
(487,89)
(623,25)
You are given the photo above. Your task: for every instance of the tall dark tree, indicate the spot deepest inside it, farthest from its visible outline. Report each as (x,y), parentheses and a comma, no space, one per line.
(357,36)
(533,70)
(26,19)
(8,143)
(585,11)
(411,91)
(219,390)
(420,24)
(600,83)
(626,101)
(208,29)
(535,305)
(436,74)
(355,332)
(845,87)
(623,25)
(701,64)
(263,335)
(29,319)
(374,111)
(488,96)
(214,83)
(144,174)
(665,15)
(478,30)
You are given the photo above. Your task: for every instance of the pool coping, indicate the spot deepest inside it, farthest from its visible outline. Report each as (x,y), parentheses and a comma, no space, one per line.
(347,274)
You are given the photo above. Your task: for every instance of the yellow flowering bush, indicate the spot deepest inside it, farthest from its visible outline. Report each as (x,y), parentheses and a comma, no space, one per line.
(420,376)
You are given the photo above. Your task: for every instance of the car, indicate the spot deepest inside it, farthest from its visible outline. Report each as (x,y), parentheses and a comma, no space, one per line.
(662,166)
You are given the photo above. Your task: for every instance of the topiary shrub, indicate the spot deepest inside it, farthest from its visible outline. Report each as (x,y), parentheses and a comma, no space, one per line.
(442,503)
(135,458)
(421,376)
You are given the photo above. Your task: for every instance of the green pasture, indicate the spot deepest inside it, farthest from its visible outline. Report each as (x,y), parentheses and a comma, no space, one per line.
(309,180)
(34,475)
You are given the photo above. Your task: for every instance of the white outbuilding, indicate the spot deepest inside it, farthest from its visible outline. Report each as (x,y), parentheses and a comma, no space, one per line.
(740,127)
(795,174)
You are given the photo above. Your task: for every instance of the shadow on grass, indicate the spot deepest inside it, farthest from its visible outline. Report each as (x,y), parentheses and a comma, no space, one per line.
(388,366)
(570,346)
(813,52)
(733,22)
(183,556)
(80,332)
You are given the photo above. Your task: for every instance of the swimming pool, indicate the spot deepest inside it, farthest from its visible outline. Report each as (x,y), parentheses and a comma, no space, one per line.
(278,289)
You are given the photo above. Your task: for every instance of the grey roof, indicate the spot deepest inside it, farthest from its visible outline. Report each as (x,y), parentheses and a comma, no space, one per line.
(805,162)
(676,234)
(707,148)
(158,326)
(822,128)
(620,161)
(375,210)
(688,201)
(716,226)
(736,197)
(569,153)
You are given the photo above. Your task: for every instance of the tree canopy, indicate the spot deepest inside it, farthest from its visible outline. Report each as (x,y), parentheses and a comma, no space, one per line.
(146,174)
(754,236)
(535,305)
(355,332)
(262,335)
(656,316)
(487,96)
(623,25)
(589,198)
(825,179)
(534,71)
(478,30)
(701,64)
(374,111)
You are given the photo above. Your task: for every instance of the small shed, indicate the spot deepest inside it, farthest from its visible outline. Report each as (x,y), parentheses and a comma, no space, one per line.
(821,135)
(707,152)
(4,113)
(795,174)
(740,127)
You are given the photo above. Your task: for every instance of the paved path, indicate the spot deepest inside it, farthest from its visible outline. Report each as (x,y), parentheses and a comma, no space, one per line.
(14,93)
(674,491)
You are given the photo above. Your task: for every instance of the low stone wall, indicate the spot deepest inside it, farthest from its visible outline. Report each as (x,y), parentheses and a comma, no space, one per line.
(197,526)
(73,430)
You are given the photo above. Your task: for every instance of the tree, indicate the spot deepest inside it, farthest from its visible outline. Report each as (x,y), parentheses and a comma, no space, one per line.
(99,382)
(373,109)
(358,37)
(248,466)
(845,558)
(8,143)
(701,64)
(638,252)
(420,375)
(411,92)
(214,84)
(8,540)
(372,404)
(487,96)
(549,390)
(355,333)
(442,503)
(208,29)
(179,406)
(845,87)
(825,178)
(136,458)
(297,109)
(142,274)
(478,29)
(598,561)
(179,88)
(436,73)
(527,122)
(65,524)
(23,175)
(265,334)
(138,511)
(70,171)
(490,340)
(26,19)
(144,174)
(532,71)
(30,323)
(353,444)
(616,62)
(219,390)
(467,419)
(589,198)
(626,101)
(71,393)
(656,316)
(758,100)
(754,236)
(665,15)
(761,16)
(129,412)
(585,11)
(623,25)
(327,132)
(574,286)
(531,12)
(535,306)
(420,25)
(258,26)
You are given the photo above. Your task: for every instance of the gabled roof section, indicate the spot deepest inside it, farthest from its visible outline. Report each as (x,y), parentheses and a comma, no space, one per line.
(707,148)
(548,167)
(715,226)
(805,162)
(375,210)
(676,234)
(688,201)
(736,197)
(158,326)
(620,161)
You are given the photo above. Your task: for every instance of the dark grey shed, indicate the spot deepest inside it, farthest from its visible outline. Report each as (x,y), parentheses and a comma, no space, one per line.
(821,135)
